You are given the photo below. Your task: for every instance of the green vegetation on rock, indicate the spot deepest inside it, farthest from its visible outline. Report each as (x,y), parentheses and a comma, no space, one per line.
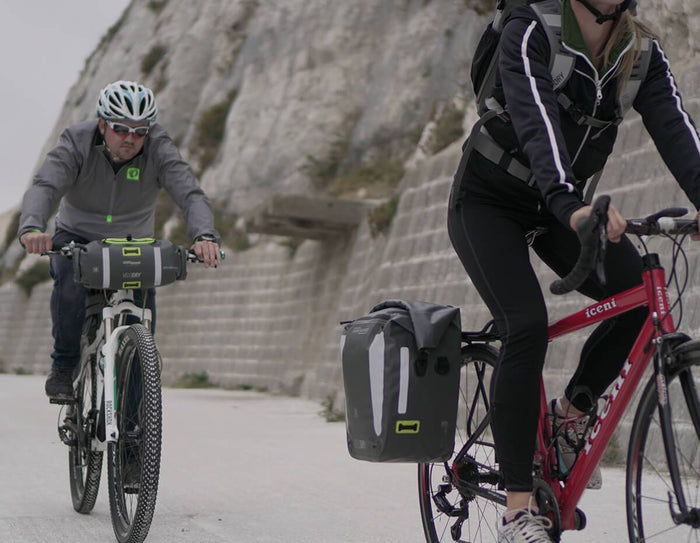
(381,216)
(152,58)
(210,131)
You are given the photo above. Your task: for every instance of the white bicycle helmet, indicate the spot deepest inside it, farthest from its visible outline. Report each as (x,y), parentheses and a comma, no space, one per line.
(127,100)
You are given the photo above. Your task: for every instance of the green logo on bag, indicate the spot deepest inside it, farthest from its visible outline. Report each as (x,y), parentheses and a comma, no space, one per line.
(407,426)
(130,285)
(133,174)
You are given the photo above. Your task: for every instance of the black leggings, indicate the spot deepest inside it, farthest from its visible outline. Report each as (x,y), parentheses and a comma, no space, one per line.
(490,241)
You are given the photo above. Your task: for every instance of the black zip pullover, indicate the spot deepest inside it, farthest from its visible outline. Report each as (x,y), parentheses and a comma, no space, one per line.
(563,154)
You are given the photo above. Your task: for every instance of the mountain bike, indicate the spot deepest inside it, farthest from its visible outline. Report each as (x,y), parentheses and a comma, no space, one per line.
(461,500)
(116,405)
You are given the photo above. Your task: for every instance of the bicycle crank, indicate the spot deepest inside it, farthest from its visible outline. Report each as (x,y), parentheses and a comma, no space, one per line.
(548,506)
(67,427)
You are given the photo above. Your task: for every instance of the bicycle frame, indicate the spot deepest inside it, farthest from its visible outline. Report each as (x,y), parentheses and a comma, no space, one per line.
(121,303)
(659,322)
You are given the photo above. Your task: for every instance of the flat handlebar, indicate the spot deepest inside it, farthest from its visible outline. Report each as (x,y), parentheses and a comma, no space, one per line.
(67,251)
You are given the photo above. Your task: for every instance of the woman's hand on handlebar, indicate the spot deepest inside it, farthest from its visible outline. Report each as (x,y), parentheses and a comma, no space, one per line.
(36,242)
(616,222)
(696,237)
(208,252)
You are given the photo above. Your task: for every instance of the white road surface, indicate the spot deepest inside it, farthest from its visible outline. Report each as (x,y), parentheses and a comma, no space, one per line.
(236,467)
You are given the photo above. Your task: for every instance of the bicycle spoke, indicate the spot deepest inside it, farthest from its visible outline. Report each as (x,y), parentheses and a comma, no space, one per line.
(451,505)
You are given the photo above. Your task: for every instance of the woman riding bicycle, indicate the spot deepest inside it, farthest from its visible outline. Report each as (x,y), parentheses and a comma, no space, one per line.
(496,212)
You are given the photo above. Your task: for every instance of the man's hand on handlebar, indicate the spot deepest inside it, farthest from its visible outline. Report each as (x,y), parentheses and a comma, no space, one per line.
(616,222)
(36,242)
(208,252)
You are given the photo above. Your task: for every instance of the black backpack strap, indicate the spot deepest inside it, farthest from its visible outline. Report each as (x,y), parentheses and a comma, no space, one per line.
(561,62)
(592,185)
(487,146)
(638,75)
(490,39)
(457,191)
(581,117)
(627,96)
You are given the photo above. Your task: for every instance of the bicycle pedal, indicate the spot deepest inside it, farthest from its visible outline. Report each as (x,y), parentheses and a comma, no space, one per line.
(63,435)
(67,441)
(62,400)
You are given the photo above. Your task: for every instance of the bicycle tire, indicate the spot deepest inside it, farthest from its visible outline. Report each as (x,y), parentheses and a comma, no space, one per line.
(648,488)
(461,499)
(135,456)
(84,461)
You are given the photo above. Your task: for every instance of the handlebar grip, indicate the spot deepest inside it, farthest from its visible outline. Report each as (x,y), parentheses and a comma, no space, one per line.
(662,225)
(192,256)
(679,226)
(589,234)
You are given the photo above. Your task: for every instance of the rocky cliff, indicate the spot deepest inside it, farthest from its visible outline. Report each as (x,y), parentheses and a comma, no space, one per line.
(292,80)
(298,78)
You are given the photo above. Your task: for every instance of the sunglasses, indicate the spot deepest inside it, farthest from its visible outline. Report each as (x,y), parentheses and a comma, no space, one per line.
(123,130)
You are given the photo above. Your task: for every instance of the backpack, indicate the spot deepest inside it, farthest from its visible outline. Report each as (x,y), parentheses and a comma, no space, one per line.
(561,64)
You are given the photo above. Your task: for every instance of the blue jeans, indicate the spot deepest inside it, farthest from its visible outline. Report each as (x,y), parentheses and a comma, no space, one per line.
(68,306)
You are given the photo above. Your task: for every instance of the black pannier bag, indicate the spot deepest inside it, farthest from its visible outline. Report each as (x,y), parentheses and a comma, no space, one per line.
(401,367)
(115,263)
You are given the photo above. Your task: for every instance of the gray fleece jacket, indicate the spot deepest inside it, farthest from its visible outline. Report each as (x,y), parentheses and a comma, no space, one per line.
(96,202)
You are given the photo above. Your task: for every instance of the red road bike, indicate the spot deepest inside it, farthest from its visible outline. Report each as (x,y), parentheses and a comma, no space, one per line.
(460,500)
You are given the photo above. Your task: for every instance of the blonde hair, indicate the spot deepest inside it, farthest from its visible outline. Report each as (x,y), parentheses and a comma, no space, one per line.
(626,26)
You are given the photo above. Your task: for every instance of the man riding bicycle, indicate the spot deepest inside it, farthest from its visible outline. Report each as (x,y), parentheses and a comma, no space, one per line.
(107,174)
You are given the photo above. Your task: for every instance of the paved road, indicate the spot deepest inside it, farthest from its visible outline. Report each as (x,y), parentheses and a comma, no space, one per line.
(237,467)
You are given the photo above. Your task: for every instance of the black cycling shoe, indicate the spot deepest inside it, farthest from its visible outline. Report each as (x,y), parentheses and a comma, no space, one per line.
(59,384)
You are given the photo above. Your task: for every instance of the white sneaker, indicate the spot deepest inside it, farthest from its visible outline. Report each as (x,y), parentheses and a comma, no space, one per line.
(570,433)
(525,527)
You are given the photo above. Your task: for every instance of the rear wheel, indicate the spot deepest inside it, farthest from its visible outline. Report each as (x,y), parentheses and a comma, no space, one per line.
(649,489)
(84,460)
(134,460)
(460,499)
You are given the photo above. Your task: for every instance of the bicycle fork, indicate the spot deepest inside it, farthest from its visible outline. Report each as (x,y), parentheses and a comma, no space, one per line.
(110,349)
(663,364)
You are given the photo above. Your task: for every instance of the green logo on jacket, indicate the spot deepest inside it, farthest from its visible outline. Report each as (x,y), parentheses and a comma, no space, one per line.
(133,174)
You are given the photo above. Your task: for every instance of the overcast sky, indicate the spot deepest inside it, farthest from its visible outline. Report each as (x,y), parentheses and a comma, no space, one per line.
(43,47)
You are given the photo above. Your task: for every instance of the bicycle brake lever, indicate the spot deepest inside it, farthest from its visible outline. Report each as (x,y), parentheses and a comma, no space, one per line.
(600,257)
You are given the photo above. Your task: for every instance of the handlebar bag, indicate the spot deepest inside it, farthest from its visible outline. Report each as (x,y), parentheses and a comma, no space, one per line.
(401,367)
(116,263)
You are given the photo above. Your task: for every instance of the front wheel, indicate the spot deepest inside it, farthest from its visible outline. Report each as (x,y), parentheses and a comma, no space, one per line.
(134,459)
(460,499)
(650,491)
